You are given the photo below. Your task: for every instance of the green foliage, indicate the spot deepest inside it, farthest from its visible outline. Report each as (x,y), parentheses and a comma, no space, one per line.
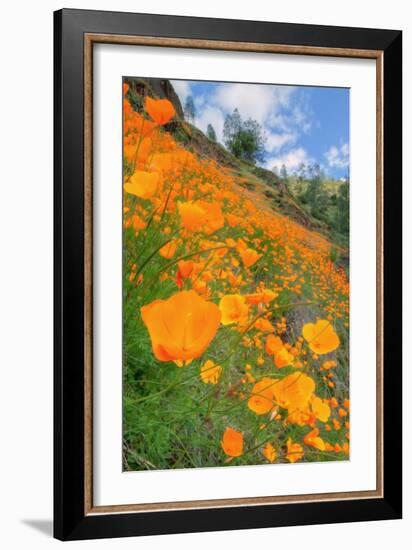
(283,172)
(190,109)
(135,96)
(181,135)
(316,196)
(136,100)
(244,139)
(210,132)
(127,167)
(342,209)
(325,199)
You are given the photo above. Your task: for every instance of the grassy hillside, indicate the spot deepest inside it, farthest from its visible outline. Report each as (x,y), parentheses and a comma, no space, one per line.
(263,183)
(268,188)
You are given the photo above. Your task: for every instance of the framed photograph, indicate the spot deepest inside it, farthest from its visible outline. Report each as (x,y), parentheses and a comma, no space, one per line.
(227,274)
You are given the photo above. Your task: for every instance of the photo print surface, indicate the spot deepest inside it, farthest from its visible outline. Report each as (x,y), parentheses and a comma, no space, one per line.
(235,274)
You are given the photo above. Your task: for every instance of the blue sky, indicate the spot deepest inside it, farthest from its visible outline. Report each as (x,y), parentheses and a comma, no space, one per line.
(302,123)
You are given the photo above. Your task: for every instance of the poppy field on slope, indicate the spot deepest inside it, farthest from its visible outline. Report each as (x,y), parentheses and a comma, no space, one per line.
(236,318)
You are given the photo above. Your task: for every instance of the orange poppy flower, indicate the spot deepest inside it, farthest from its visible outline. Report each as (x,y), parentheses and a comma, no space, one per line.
(294,451)
(269,452)
(333,402)
(192,215)
(207,276)
(184,271)
(136,125)
(261,399)
(232,442)
(230,242)
(273,344)
(233,220)
(328,365)
(321,337)
(130,151)
(249,256)
(162,162)
(136,222)
(201,287)
(210,373)
(264,325)
(241,245)
(168,250)
(181,327)
(160,110)
(234,309)
(320,409)
(300,417)
(143,184)
(283,358)
(294,391)
(264,297)
(201,216)
(213,217)
(234,280)
(336,424)
(312,439)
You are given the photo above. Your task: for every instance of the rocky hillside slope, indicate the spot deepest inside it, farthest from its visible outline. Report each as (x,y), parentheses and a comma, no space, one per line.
(262,185)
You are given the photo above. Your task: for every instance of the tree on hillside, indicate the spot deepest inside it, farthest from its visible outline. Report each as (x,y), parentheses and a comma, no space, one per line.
(210,132)
(232,126)
(342,210)
(283,172)
(244,139)
(301,172)
(316,196)
(190,109)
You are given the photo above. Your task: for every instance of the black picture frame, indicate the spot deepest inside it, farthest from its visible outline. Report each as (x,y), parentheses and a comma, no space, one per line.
(70,520)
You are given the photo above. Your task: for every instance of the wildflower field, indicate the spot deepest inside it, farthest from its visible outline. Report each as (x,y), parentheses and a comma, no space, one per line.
(236,318)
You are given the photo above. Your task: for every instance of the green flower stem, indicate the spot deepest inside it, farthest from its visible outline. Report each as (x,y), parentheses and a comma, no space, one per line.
(164,243)
(155,278)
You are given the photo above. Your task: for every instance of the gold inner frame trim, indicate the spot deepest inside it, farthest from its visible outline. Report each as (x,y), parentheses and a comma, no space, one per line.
(89,40)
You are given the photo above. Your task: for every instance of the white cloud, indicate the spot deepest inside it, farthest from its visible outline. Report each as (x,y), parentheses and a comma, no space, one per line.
(338,157)
(257,101)
(213,116)
(182,88)
(279,109)
(199,101)
(275,142)
(293,115)
(282,111)
(292,159)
